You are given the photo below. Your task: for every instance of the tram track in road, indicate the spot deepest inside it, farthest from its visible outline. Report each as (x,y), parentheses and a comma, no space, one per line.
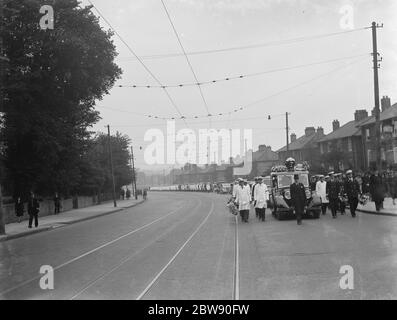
(131,256)
(87,253)
(236,278)
(158,275)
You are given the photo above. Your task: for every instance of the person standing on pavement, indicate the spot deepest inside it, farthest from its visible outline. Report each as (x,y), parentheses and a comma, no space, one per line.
(321,191)
(332,190)
(122,194)
(33,210)
(352,190)
(243,199)
(19,209)
(261,195)
(128,194)
(57,203)
(298,198)
(377,190)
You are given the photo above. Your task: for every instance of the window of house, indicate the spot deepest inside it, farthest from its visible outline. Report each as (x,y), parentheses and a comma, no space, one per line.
(349,144)
(321,148)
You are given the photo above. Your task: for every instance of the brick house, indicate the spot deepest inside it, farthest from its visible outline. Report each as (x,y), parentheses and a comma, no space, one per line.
(342,149)
(304,148)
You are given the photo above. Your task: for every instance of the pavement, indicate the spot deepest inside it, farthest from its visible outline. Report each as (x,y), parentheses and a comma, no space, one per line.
(17,230)
(188,246)
(389,209)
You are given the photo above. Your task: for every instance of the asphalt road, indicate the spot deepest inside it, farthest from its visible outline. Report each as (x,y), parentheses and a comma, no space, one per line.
(188,246)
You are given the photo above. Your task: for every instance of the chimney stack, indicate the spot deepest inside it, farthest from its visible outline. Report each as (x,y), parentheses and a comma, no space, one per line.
(293,137)
(335,125)
(309,131)
(360,115)
(385,103)
(320,131)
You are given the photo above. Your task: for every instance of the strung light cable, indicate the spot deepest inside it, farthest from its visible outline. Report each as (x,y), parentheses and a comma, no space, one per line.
(242,108)
(248,75)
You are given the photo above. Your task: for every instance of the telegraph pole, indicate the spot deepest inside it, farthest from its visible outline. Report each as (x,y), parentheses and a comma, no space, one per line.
(376,66)
(133,172)
(287,131)
(111,167)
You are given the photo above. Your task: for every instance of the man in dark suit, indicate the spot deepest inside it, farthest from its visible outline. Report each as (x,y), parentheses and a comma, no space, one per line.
(33,210)
(352,190)
(333,193)
(298,198)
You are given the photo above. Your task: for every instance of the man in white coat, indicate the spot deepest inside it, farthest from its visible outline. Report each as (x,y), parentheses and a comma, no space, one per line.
(243,198)
(261,195)
(321,191)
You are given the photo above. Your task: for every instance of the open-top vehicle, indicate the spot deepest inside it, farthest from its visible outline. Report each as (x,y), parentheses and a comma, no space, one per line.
(280,197)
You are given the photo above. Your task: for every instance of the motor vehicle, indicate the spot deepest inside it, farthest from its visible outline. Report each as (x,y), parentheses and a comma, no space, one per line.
(280,196)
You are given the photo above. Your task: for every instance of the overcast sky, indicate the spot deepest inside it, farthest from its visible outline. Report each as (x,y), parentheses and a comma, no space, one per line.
(217,24)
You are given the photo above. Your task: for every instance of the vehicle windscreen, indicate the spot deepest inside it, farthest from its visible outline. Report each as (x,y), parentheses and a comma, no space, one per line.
(286,180)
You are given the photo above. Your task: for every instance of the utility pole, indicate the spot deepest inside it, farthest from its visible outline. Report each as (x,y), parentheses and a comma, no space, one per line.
(111,167)
(133,173)
(287,131)
(376,66)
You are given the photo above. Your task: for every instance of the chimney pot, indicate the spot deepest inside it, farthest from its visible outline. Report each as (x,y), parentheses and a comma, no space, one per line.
(309,131)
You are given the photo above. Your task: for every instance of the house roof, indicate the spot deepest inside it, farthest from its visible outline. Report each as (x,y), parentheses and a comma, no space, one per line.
(389,113)
(348,130)
(303,142)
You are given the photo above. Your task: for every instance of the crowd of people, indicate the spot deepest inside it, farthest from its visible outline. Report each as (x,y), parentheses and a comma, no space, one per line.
(373,186)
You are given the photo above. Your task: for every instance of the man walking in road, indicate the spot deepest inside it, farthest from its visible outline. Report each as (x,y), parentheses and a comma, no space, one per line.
(243,198)
(261,195)
(33,210)
(333,190)
(253,195)
(321,191)
(352,189)
(298,198)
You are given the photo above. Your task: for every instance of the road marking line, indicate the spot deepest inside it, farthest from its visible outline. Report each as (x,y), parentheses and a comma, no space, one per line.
(126,259)
(92,251)
(236,265)
(175,255)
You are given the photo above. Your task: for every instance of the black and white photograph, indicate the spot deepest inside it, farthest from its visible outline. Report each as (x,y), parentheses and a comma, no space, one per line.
(215,152)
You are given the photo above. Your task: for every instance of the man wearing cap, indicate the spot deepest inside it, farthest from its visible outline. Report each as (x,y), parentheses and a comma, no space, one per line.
(333,193)
(243,198)
(321,191)
(298,198)
(352,190)
(261,195)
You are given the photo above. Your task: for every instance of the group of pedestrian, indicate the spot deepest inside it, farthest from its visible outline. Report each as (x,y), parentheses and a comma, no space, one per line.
(243,197)
(125,194)
(33,208)
(336,189)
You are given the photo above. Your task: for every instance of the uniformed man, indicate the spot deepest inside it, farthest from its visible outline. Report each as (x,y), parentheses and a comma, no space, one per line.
(261,195)
(341,202)
(321,191)
(352,190)
(243,198)
(333,193)
(298,198)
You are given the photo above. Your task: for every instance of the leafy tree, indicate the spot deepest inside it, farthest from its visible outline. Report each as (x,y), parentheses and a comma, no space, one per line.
(96,176)
(51,83)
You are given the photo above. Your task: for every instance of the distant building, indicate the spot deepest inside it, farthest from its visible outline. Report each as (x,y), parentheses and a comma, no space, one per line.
(304,148)
(343,149)
(388,119)
(263,160)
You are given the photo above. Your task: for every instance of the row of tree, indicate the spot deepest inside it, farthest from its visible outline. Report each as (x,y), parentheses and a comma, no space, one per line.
(52,79)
